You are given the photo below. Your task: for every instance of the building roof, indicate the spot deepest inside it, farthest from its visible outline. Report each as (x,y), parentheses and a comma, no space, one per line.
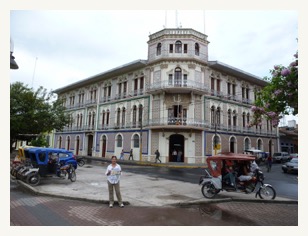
(237,72)
(134,65)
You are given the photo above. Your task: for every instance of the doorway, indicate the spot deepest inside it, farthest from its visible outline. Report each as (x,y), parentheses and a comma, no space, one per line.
(90,144)
(104,144)
(77,145)
(176,142)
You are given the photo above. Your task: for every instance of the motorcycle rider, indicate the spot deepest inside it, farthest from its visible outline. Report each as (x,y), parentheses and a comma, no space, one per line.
(244,174)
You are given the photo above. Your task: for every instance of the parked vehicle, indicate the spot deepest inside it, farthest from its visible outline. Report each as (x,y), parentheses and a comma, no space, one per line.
(290,166)
(48,162)
(281,157)
(212,182)
(259,154)
(293,155)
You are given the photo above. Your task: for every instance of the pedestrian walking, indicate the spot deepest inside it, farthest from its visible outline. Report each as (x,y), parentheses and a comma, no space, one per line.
(113,173)
(179,156)
(131,155)
(174,155)
(157,155)
(122,155)
(269,163)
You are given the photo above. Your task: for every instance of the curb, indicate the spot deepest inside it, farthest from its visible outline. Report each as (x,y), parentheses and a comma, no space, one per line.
(36,192)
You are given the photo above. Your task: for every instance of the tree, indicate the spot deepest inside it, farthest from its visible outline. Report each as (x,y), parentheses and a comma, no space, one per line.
(280,96)
(34,112)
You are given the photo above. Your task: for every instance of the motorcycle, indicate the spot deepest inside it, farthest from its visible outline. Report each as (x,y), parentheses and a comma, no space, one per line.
(212,182)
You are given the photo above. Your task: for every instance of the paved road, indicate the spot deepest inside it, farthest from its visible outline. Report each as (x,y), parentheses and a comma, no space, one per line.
(286,185)
(31,210)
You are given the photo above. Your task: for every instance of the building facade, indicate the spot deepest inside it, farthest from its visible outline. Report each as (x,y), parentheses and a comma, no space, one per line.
(175,100)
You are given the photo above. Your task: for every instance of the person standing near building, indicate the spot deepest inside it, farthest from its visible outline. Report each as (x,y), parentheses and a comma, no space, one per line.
(179,156)
(157,155)
(113,173)
(131,155)
(174,155)
(269,163)
(122,155)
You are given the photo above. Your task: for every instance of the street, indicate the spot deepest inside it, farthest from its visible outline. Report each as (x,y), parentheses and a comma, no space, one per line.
(31,210)
(286,185)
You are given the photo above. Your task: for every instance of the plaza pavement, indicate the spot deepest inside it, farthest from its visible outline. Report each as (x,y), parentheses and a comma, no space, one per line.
(136,189)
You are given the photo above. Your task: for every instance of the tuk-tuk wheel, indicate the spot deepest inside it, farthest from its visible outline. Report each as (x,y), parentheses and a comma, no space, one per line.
(33,179)
(73,175)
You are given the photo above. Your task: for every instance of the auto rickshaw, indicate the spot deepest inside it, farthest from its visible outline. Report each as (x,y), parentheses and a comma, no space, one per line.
(214,179)
(48,162)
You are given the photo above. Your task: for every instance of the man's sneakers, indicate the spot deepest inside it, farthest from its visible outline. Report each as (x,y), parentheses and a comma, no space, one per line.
(121,205)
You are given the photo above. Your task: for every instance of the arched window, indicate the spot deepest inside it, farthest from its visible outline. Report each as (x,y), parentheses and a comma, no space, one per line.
(260,144)
(158,49)
(118,116)
(123,116)
(77,120)
(134,116)
(140,113)
(244,119)
(103,118)
(119,140)
(60,142)
(93,119)
(218,116)
(80,120)
(213,115)
(247,144)
(178,47)
(197,48)
(89,118)
(136,141)
(229,118)
(68,143)
(248,118)
(177,76)
(234,119)
(232,144)
(107,117)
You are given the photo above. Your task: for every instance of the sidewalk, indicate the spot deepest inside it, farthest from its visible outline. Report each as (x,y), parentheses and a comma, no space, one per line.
(136,189)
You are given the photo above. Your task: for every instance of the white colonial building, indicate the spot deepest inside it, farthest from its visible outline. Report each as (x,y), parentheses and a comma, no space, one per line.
(176,99)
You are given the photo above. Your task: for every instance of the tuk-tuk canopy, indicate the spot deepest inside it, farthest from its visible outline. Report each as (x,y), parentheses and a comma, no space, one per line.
(232,157)
(215,162)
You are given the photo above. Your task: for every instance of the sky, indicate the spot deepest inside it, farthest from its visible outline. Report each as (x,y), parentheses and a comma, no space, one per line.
(56,48)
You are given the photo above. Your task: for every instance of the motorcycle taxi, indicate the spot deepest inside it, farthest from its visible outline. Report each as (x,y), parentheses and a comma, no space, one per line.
(215,179)
(48,162)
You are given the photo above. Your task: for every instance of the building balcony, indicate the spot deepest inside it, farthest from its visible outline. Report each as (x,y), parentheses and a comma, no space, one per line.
(91,102)
(176,123)
(177,86)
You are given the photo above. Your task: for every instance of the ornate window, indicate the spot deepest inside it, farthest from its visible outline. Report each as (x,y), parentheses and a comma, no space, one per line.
(178,47)
(197,49)
(158,49)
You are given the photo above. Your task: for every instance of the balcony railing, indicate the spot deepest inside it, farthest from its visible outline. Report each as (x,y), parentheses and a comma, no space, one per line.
(177,84)
(176,121)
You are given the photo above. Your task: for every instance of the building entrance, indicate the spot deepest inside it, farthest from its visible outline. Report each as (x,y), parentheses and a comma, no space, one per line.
(90,145)
(176,142)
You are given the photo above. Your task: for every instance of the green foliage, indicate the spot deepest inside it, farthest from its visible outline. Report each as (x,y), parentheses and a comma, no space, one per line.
(280,96)
(40,141)
(34,112)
